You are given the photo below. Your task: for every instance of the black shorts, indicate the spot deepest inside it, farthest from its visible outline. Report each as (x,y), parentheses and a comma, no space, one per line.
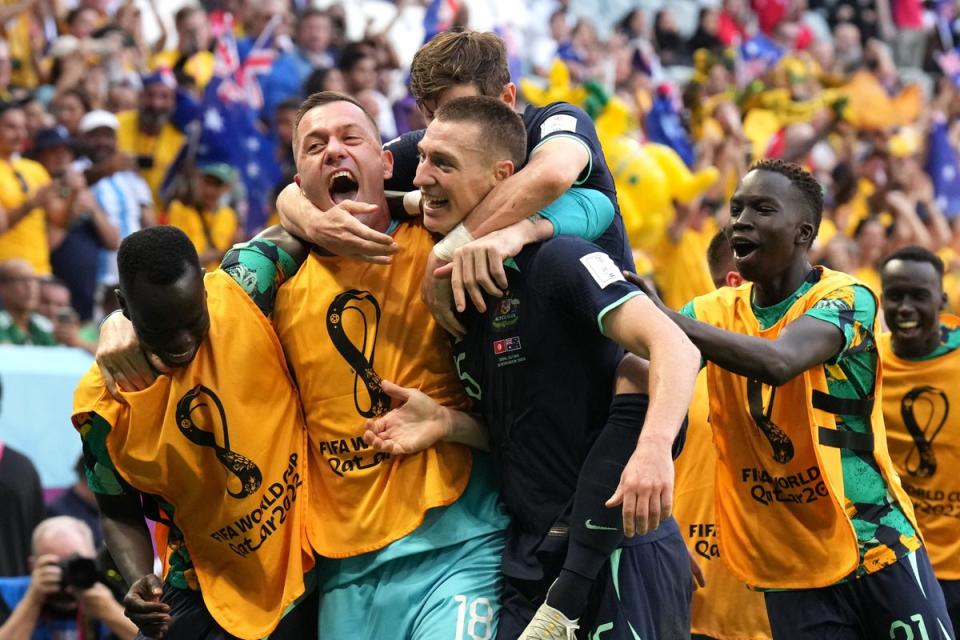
(643,591)
(899,602)
(190,619)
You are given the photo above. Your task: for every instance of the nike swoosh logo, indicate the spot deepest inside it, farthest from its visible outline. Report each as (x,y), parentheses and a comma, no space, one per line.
(595,527)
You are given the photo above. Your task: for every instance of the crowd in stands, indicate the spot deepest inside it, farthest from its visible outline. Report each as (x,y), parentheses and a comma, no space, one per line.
(103,132)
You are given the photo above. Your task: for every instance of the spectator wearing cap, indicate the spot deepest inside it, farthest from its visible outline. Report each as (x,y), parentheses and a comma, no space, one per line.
(123,195)
(210,224)
(147,135)
(26,195)
(20,322)
(83,231)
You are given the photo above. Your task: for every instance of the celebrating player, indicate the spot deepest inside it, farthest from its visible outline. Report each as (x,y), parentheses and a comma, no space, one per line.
(921,364)
(809,506)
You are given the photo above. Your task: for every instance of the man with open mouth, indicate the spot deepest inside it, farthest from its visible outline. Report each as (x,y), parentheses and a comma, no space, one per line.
(411,545)
(921,404)
(541,366)
(809,507)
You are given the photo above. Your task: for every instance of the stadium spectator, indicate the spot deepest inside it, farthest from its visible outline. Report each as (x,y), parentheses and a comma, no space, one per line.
(20,323)
(49,604)
(192,60)
(78,236)
(80,503)
(67,328)
(147,134)
(22,498)
(122,195)
(210,224)
(27,196)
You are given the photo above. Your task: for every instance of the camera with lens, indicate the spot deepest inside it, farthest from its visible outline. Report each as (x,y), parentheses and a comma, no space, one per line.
(78,572)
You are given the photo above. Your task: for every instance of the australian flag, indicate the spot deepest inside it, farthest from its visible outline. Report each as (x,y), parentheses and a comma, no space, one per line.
(223,126)
(944,169)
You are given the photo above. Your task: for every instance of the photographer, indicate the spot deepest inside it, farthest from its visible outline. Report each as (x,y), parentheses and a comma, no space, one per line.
(61,598)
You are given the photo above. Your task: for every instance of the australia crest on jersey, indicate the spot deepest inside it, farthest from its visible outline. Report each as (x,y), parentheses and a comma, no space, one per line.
(507,311)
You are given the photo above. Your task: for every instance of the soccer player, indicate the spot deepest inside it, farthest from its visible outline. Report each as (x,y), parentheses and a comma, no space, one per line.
(921,367)
(563,151)
(424,532)
(222,452)
(809,507)
(723,609)
(541,368)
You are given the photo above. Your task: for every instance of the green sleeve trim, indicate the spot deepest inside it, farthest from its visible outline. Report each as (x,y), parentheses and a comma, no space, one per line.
(102,476)
(614,305)
(689,310)
(586,170)
(585,213)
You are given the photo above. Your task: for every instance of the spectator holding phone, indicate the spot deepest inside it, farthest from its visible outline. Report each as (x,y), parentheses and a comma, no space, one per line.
(83,230)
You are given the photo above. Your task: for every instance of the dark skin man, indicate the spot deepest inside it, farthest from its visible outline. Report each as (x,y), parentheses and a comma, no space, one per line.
(770,234)
(912,299)
(793,374)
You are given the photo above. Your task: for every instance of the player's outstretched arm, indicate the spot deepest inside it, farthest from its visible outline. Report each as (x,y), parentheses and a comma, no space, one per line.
(553,168)
(420,422)
(804,343)
(128,540)
(646,485)
(336,230)
(477,266)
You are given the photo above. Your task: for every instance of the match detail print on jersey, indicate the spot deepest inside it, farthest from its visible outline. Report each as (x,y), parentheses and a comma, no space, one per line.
(198,401)
(930,405)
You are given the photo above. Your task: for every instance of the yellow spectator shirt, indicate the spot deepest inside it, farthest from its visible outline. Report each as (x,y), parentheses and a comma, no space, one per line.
(207,230)
(154,154)
(27,238)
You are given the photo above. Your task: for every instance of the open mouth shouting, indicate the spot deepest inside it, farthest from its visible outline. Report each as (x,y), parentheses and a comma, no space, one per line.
(343,186)
(742,247)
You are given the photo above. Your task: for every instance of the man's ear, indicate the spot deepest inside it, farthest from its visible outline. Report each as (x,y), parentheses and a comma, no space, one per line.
(123,303)
(806,233)
(733,279)
(503,170)
(387,157)
(509,95)
(297,180)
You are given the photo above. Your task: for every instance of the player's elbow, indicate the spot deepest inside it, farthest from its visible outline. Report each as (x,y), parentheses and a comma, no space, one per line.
(777,370)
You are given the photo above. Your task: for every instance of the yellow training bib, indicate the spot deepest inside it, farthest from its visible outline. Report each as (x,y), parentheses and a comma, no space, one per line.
(223,441)
(780,493)
(345,325)
(921,408)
